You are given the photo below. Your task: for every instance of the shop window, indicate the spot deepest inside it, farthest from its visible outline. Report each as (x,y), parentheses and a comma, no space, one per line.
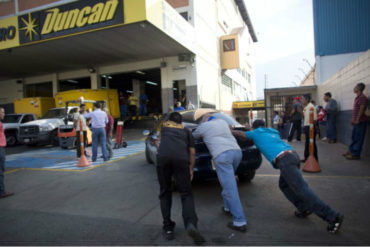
(39,90)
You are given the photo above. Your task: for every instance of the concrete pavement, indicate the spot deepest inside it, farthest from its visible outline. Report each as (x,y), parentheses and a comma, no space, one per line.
(117,204)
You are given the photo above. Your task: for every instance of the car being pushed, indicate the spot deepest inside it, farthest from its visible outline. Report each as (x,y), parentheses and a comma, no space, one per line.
(204,166)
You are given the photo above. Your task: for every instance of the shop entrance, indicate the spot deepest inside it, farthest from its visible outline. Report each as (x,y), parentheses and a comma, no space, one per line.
(138,82)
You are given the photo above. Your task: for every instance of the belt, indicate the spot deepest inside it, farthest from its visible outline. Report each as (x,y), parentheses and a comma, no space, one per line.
(282,155)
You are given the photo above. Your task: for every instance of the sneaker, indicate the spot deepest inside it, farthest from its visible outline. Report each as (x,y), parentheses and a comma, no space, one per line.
(352,157)
(335,225)
(169,235)
(302,214)
(6,194)
(242,228)
(226,212)
(324,139)
(195,234)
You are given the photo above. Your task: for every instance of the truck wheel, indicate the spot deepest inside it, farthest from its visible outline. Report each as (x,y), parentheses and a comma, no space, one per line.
(54,139)
(246,177)
(11,139)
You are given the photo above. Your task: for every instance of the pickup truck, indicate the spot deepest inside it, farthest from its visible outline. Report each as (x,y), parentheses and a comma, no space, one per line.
(11,123)
(45,130)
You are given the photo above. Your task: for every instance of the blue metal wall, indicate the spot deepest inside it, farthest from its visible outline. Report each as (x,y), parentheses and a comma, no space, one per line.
(341,26)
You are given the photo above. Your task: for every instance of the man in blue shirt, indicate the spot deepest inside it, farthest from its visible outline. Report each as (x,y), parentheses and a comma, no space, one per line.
(98,121)
(282,156)
(143,101)
(179,107)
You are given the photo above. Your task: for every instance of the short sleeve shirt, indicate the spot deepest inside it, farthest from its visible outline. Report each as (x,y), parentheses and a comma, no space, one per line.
(2,136)
(109,124)
(359,100)
(297,116)
(175,141)
(77,116)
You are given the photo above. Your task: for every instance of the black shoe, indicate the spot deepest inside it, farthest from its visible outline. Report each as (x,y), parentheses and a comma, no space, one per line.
(303,214)
(169,235)
(195,234)
(334,226)
(226,212)
(242,228)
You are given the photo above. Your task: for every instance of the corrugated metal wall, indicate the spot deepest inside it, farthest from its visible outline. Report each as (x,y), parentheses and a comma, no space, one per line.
(341,26)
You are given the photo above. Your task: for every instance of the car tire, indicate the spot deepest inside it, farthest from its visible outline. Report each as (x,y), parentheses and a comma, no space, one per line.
(247,177)
(11,139)
(54,139)
(147,156)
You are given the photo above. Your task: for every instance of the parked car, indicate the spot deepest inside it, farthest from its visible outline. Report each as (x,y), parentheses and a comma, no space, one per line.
(12,123)
(45,129)
(204,167)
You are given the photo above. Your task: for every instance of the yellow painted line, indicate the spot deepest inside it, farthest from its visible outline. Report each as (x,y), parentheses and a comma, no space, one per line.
(313,176)
(11,171)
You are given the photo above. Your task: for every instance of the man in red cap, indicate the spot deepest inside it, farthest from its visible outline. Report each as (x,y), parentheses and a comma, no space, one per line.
(296,120)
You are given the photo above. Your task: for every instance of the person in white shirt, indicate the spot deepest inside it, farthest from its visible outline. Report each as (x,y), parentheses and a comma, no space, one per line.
(276,120)
(98,121)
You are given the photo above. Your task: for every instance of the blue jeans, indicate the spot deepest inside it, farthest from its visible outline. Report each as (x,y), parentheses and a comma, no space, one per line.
(99,138)
(142,110)
(2,169)
(123,111)
(358,137)
(226,164)
(296,190)
(331,127)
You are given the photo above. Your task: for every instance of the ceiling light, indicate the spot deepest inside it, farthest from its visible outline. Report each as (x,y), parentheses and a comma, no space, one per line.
(129,91)
(109,77)
(72,81)
(140,72)
(152,83)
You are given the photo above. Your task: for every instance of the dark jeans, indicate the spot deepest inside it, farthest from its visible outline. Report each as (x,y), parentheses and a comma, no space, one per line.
(179,169)
(132,109)
(307,143)
(2,169)
(282,130)
(296,190)
(296,125)
(358,137)
(99,138)
(331,127)
(78,145)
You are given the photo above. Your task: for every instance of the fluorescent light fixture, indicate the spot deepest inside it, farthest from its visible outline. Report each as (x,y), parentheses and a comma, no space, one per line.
(129,91)
(72,81)
(140,72)
(103,76)
(109,77)
(152,83)
(174,89)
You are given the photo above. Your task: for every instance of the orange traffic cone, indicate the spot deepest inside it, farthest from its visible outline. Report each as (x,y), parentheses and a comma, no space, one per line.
(83,162)
(311,164)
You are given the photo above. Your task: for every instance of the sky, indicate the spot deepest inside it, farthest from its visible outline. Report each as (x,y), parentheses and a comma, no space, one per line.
(284,31)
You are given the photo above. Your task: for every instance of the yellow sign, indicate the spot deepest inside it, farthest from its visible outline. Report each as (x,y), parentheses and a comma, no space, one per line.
(9,33)
(249,104)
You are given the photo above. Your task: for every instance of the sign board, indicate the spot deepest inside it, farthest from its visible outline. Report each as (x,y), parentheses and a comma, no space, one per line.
(249,104)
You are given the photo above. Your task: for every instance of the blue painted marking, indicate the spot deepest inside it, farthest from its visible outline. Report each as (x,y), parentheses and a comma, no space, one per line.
(57,158)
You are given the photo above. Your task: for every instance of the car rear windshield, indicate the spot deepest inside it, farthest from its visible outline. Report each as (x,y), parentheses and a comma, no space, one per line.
(11,118)
(54,113)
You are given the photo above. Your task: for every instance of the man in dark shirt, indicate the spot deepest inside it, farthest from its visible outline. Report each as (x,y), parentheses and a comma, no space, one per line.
(331,109)
(109,133)
(296,120)
(175,153)
(359,122)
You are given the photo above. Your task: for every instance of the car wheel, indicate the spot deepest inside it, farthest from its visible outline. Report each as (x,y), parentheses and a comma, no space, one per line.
(147,156)
(247,177)
(54,139)
(11,139)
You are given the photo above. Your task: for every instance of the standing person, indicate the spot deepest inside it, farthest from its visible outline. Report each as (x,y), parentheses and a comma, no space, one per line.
(359,122)
(282,125)
(79,116)
(227,155)
(109,133)
(3,193)
(331,109)
(143,98)
(133,104)
(176,157)
(99,120)
(321,119)
(276,119)
(296,120)
(122,105)
(282,156)
(306,111)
